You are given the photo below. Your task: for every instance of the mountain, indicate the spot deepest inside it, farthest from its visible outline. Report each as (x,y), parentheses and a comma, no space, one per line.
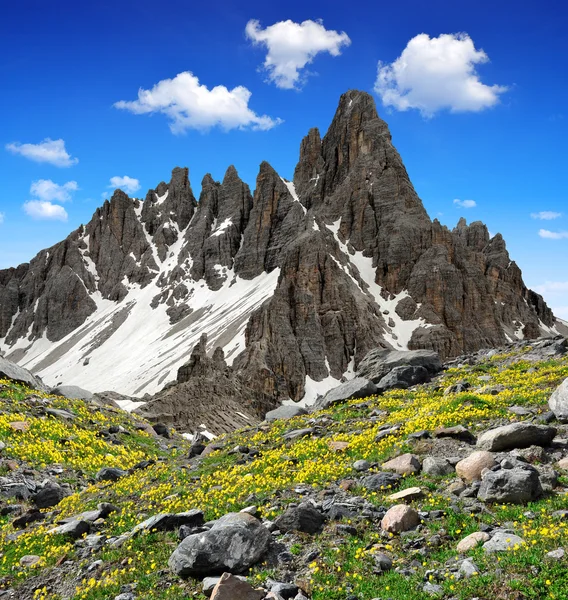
(296,282)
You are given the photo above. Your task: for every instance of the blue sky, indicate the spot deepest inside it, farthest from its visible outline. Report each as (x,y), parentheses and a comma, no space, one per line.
(476,106)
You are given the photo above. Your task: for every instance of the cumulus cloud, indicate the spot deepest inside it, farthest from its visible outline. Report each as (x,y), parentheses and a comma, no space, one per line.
(190,105)
(48,191)
(434,74)
(465,203)
(126,184)
(48,151)
(41,210)
(553,235)
(546,215)
(291,46)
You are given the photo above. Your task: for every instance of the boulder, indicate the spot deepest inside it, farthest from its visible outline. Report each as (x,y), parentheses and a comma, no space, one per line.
(300,518)
(437,467)
(380,362)
(72,391)
(286,411)
(501,541)
(403,378)
(400,518)
(230,587)
(405,464)
(407,495)
(458,432)
(558,402)
(516,435)
(515,486)
(233,544)
(359,387)
(10,370)
(470,468)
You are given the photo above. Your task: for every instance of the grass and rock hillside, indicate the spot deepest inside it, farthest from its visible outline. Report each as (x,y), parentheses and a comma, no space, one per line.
(94,501)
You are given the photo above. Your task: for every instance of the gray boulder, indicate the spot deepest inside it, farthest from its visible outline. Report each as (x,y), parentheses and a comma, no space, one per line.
(438,467)
(234,543)
(558,402)
(380,481)
(300,518)
(72,391)
(380,362)
(359,387)
(110,474)
(50,495)
(515,486)
(10,370)
(502,541)
(403,378)
(516,435)
(286,411)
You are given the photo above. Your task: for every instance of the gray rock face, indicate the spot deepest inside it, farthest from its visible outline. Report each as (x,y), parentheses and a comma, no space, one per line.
(558,402)
(378,363)
(516,435)
(518,485)
(355,388)
(72,391)
(234,543)
(9,370)
(347,235)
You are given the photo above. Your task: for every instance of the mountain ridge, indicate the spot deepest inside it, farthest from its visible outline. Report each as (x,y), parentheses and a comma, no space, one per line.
(296,282)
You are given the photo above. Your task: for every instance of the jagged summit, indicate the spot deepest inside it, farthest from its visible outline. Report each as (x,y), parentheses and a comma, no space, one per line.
(296,282)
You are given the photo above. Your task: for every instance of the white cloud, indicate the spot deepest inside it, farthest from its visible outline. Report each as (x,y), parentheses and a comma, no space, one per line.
(1,218)
(38,209)
(433,74)
(49,151)
(190,105)
(465,203)
(48,191)
(546,215)
(291,46)
(126,184)
(552,235)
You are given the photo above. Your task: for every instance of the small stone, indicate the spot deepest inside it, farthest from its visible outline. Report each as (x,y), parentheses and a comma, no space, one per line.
(383,562)
(470,468)
(405,464)
(110,474)
(563,463)
(400,518)
(361,465)
(468,568)
(300,518)
(471,541)
(558,554)
(433,589)
(29,560)
(458,432)
(20,426)
(407,495)
(338,446)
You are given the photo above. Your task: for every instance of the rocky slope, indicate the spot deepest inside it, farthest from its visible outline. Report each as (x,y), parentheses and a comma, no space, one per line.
(453,489)
(296,282)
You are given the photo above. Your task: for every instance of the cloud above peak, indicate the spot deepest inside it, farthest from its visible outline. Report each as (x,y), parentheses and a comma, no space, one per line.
(434,74)
(546,215)
(48,191)
(188,104)
(291,46)
(41,210)
(465,203)
(126,184)
(48,151)
(553,235)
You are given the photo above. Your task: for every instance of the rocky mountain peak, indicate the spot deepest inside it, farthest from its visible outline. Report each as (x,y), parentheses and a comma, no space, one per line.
(293,283)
